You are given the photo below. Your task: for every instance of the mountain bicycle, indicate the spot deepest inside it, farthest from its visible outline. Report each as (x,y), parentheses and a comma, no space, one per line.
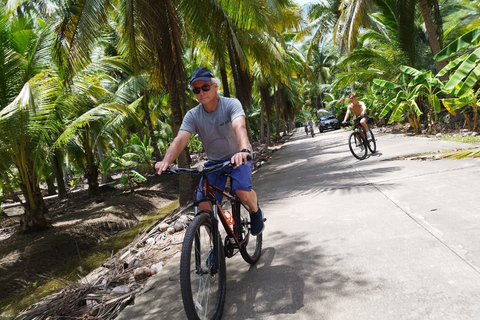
(203,275)
(357,141)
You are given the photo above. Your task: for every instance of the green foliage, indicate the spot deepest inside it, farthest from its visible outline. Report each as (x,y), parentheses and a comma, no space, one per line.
(127,159)
(467,66)
(194,143)
(403,105)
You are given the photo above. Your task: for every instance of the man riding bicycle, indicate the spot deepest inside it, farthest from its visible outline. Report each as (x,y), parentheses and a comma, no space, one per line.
(220,125)
(359,109)
(310,124)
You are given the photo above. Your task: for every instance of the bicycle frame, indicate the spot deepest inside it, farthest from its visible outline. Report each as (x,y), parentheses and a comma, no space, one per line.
(216,213)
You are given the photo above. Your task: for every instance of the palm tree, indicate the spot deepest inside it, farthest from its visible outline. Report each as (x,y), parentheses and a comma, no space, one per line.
(433,26)
(27,92)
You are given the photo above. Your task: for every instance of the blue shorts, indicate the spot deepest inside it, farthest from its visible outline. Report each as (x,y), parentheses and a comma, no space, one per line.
(241,178)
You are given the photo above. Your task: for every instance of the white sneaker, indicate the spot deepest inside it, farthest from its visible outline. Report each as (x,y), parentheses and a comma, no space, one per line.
(369,136)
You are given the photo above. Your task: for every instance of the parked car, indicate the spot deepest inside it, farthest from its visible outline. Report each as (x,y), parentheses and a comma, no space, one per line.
(327,122)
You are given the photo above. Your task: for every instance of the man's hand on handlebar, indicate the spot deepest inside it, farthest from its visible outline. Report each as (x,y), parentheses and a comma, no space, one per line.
(160,167)
(240,158)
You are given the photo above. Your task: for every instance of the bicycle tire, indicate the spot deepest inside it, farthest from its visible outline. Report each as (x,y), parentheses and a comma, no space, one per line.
(372,144)
(203,294)
(252,248)
(357,145)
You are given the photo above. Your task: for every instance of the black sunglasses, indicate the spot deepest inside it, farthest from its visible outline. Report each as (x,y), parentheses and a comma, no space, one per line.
(204,88)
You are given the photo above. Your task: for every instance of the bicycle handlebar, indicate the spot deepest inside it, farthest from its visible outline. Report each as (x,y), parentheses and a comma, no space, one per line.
(202,170)
(349,122)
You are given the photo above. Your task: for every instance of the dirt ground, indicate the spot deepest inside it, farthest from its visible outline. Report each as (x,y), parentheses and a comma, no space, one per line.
(79,222)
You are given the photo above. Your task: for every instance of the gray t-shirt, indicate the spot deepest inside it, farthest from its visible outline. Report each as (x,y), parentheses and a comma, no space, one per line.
(215,129)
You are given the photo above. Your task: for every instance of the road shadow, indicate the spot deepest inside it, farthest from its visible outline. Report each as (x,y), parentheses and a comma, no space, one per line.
(286,279)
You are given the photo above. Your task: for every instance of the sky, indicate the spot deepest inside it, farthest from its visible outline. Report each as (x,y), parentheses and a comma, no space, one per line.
(301,2)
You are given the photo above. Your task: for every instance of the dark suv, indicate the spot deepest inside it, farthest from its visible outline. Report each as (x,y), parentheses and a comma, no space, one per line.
(328,121)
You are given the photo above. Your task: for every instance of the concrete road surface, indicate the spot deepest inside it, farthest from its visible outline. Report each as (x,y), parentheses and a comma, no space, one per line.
(348,239)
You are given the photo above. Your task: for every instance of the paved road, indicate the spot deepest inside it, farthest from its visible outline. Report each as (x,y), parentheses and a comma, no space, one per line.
(347,239)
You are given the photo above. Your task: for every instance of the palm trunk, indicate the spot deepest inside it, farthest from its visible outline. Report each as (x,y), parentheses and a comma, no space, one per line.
(35,217)
(277,109)
(185,181)
(243,83)
(58,172)
(435,45)
(50,181)
(223,75)
(91,170)
(265,102)
(151,132)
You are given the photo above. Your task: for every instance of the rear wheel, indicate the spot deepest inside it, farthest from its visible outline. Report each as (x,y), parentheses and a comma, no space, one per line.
(357,145)
(252,247)
(372,144)
(203,291)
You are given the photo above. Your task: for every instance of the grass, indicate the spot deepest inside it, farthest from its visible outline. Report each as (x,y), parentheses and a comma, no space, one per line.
(79,267)
(466,139)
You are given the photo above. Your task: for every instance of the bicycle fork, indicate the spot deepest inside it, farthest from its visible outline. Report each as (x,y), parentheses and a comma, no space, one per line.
(213,214)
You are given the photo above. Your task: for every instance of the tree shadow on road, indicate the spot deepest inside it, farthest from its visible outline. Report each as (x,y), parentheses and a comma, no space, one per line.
(286,280)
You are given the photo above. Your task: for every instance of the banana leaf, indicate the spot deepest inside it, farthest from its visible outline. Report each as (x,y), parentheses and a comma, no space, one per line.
(390,105)
(469,38)
(397,114)
(471,80)
(452,104)
(385,84)
(435,103)
(467,66)
(410,71)
(415,107)
(452,64)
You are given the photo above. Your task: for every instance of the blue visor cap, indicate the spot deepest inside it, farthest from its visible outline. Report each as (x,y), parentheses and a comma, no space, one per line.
(201,74)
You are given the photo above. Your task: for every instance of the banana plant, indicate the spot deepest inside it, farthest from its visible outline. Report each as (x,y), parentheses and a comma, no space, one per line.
(470,99)
(430,88)
(404,104)
(465,68)
(465,76)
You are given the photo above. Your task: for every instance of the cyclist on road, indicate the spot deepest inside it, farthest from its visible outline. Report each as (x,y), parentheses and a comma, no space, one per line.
(220,125)
(359,109)
(310,124)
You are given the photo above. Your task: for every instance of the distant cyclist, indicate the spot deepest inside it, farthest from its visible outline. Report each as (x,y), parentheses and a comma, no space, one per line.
(310,124)
(359,109)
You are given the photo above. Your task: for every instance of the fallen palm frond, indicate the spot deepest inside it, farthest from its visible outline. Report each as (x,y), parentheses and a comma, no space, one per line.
(459,154)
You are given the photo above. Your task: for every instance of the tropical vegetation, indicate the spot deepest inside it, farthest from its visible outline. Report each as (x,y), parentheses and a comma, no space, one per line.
(89,89)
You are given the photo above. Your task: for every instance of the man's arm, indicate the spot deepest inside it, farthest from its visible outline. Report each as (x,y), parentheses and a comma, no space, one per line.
(347,115)
(173,151)
(364,109)
(238,125)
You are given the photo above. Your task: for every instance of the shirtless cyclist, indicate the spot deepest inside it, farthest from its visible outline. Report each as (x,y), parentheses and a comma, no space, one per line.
(359,109)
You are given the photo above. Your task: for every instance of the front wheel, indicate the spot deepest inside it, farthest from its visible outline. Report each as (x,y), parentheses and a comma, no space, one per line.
(357,145)
(203,290)
(251,249)
(372,144)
